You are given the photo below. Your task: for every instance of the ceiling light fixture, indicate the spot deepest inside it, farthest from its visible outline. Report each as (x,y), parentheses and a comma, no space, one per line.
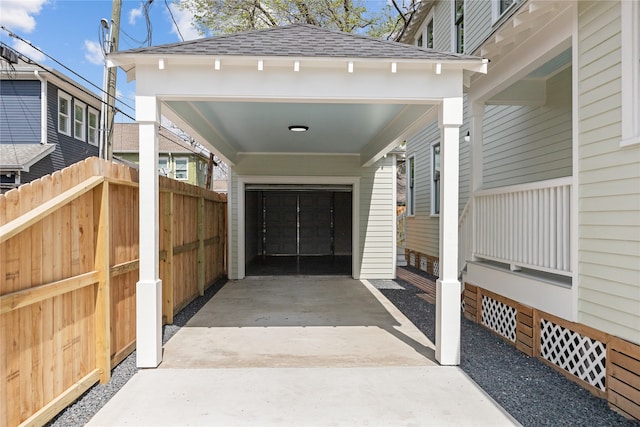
(298,128)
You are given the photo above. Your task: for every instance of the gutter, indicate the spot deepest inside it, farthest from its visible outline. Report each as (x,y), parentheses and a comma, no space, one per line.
(43,107)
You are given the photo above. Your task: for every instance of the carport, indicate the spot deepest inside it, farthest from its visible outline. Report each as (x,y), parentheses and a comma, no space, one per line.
(294,111)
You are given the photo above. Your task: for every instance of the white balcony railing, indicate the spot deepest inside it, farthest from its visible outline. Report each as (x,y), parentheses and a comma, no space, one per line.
(465,235)
(525,226)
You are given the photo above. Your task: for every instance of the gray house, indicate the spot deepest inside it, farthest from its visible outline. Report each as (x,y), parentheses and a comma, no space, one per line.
(47,122)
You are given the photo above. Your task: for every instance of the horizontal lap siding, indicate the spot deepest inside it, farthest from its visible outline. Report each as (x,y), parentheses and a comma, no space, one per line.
(477,23)
(422,230)
(20,112)
(527,144)
(609,191)
(442,22)
(377,214)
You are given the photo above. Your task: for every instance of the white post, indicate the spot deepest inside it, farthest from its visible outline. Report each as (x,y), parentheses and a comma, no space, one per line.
(149,288)
(477,165)
(448,286)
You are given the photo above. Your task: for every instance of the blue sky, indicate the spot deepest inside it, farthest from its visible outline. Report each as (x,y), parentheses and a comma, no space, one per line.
(68,30)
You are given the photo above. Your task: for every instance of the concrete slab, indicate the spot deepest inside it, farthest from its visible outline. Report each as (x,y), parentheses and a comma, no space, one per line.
(295,351)
(289,322)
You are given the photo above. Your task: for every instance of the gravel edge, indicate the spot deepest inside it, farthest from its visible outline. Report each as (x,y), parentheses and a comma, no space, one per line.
(532,392)
(86,406)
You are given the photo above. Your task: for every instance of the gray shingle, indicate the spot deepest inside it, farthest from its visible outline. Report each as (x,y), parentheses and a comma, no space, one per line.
(17,156)
(299,40)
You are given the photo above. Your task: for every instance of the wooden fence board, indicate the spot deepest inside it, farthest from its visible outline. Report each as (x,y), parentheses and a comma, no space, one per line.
(69,265)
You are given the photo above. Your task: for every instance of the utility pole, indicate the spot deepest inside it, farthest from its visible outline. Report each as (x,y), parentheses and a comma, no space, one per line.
(116,10)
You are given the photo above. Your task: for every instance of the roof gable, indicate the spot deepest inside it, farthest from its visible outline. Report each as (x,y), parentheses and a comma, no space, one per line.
(299,40)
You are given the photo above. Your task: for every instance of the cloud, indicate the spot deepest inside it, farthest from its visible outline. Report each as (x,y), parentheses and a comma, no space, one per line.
(18,15)
(93,52)
(135,14)
(28,51)
(184,20)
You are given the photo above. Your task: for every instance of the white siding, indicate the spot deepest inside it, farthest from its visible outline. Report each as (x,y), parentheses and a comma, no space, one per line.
(442,23)
(527,144)
(477,23)
(377,216)
(609,182)
(377,211)
(422,230)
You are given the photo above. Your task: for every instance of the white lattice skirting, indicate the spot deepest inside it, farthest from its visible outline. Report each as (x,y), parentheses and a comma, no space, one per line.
(499,317)
(581,356)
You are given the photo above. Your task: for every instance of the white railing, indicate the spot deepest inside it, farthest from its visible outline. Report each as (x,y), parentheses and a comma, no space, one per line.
(526,226)
(465,235)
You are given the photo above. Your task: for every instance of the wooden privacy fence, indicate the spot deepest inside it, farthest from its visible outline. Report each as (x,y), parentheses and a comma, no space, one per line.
(69,248)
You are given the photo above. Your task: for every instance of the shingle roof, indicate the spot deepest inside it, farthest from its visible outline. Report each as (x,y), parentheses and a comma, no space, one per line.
(19,156)
(126,139)
(299,40)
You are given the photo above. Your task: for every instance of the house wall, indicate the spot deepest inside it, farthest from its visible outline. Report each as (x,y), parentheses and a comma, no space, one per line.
(68,149)
(442,22)
(376,207)
(196,174)
(609,181)
(526,144)
(20,112)
(423,229)
(477,23)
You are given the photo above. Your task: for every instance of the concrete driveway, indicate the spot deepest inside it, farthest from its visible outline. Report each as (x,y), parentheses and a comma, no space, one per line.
(300,351)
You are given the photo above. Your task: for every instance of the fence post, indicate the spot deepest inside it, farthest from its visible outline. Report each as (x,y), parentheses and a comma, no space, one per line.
(167,236)
(201,246)
(102,265)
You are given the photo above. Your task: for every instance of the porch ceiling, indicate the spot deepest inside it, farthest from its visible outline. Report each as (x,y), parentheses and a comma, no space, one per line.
(238,94)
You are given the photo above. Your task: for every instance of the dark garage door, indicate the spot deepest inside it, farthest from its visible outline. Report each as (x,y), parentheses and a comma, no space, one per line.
(301,230)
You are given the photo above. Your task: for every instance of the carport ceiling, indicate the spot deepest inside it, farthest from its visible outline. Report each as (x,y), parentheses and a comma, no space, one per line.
(257,127)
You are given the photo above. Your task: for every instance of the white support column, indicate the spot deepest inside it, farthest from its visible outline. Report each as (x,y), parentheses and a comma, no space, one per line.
(149,287)
(477,165)
(448,286)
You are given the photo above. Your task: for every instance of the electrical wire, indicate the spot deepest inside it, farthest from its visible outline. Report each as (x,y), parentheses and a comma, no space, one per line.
(174,20)
(14,35)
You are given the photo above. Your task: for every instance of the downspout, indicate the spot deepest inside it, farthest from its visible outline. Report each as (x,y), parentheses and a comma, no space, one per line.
(43,107)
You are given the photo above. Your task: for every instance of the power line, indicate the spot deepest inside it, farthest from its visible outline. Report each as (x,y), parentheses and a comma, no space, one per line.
(174,20)
(14,35)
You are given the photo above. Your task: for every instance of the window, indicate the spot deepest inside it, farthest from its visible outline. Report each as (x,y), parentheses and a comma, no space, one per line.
(425,37)
(411,191)
(181,168)
(93,126)
(79,119)
(435,178)
(630,73)
(64,113)
(499,7)
(503,5)
(459,23)
(163,166)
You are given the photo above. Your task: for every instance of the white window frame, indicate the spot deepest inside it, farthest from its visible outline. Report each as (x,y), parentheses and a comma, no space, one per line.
(67,115)
(96,137)
(423,32)
(630,21)
(434,191)
(166,170)
(411,185)
(175,168)
(495,9)
(82,136)
(454,28)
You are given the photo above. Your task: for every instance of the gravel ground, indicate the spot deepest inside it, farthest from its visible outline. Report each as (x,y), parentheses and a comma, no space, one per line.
(533,393)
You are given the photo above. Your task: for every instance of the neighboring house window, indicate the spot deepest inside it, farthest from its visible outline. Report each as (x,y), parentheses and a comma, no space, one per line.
(93,126)
(459,25)
(64,113)
(435,178)
(630,72)
(79,119)
(181,168)
(411,190)
(163,166)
